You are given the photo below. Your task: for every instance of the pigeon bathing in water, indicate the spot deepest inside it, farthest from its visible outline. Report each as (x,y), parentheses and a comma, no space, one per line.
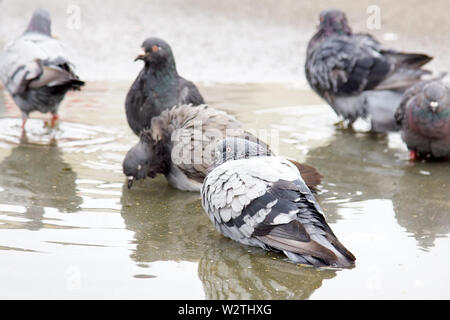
(180,144)
(36,71)
(158,86)
(261,200)
(424,117)
(356,76)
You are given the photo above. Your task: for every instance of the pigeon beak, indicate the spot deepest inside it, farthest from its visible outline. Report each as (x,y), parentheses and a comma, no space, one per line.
(130,182)
(434,105)
(141,55)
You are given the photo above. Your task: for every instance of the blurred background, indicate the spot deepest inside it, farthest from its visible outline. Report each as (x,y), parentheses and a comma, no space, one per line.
(222,41)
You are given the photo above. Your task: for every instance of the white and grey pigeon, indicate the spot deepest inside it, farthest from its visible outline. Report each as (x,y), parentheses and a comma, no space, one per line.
(35,69)
(356,75)
(262,200)
(180,144)
(424,117)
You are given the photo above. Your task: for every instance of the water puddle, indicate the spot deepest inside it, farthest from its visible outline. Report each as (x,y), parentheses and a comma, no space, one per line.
(70,228)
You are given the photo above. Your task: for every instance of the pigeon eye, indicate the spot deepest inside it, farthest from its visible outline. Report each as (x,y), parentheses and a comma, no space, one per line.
(228,149)
(155,48)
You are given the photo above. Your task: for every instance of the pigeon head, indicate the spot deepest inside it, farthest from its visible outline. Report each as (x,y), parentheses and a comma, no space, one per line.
(146,159)
(334,21)
(156,52)
(435,94)
(40,22)
(238,148)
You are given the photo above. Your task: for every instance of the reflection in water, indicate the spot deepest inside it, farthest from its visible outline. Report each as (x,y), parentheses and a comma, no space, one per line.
(162,244)
(229,270)
(35,177)
(355,167)
(361,167)
(421,202)
(168,224)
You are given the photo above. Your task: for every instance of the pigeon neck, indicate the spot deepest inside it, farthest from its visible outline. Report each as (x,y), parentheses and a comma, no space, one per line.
(162,72)
(327,31)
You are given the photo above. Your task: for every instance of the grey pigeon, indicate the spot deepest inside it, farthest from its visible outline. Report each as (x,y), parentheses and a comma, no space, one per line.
(356,76)
(157,87)
(424,117)
(262,200)
(35,69)
(181,143)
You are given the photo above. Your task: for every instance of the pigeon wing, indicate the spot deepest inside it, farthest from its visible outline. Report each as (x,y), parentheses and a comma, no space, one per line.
(24,58)
(196,132)
(345,65)
(189,94)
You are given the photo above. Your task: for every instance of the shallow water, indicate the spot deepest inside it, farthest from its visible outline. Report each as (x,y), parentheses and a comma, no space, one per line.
(70,228)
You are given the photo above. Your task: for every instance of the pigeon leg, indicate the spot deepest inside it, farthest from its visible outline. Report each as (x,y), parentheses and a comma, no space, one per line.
(24,120)
(55,118)
(412,155)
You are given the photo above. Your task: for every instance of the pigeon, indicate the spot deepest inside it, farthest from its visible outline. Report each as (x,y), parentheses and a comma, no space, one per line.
(356,75)
(261,200)
(424,117)
(157,87)
(35,69)
(180,144)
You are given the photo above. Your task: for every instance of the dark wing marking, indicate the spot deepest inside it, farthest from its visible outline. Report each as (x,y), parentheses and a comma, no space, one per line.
(305,234)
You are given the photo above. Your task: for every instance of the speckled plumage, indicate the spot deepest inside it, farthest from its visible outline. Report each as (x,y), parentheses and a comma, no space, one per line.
(180,144)
(356,75)
(424,117)
(263,201)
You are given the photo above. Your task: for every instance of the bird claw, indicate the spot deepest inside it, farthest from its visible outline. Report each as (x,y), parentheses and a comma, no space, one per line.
(340,123)
(53,123)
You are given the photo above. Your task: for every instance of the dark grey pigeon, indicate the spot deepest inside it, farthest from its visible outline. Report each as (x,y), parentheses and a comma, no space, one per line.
(356,76)
(424,117)
(35,69)
(262,201)
(157,87)
(180,144)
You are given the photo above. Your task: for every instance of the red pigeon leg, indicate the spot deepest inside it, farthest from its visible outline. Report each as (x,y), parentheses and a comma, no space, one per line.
(24,120)
(55,118)
(412,155)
